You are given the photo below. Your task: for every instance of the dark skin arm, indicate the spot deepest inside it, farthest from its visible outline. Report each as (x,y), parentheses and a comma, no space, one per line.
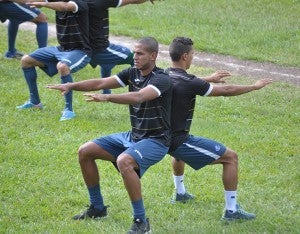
(87,85)
(143,95)
(234,90)
(56,6)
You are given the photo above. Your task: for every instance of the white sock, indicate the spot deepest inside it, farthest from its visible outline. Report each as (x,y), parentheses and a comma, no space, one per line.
(230,200)
(179,185)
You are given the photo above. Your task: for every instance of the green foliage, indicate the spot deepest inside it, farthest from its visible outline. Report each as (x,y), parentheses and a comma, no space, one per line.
(42,187)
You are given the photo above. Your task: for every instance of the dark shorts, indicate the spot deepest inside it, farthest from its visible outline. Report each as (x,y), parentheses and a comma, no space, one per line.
(17,12)
(112,56)
(198,152)
(146,152)
(51,55)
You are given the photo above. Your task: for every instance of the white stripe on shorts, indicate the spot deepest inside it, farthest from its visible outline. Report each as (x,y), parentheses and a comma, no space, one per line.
(26,10)
(122,55)
(204,151)
(78,62)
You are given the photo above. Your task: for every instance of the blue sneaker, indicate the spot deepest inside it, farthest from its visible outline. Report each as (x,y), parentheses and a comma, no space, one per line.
(67,115)
(29,105)
(183,198)
(13,55)
(238,215)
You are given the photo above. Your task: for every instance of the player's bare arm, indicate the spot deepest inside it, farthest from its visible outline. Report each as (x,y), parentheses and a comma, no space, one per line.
(86,85)
(217,77)
(234,90)
(17,1)
(57,6)
(127,2)
(145,94)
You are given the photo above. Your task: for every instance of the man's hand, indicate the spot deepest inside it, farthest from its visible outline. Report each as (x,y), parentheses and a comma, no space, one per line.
(262,83)
(95,97)
(61,87)
(217,77)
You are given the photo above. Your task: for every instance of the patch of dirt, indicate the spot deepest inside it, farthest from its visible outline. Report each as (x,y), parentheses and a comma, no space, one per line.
(218,62)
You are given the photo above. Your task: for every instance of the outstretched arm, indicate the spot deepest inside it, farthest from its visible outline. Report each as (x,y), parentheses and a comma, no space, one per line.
(86,85)
(145,94)
(217,77)
(57,6)
(127,2)
(234,90)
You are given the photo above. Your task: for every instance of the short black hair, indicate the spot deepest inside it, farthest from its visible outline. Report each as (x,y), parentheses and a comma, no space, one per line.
(150,44)
(179,46)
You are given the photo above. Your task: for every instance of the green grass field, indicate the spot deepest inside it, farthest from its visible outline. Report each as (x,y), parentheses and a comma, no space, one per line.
(41,184)
(266,30)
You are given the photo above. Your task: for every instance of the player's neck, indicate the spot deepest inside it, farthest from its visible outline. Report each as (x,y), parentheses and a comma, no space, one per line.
(180,65)
(147,71)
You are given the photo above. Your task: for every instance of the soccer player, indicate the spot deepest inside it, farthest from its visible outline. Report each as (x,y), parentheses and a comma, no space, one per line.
(72,54)
(133,152)
(198,151)
(17,13)
(105,54)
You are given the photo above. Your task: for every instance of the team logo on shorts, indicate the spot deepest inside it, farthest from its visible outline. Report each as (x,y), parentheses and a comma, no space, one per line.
(139,153)
(217,148)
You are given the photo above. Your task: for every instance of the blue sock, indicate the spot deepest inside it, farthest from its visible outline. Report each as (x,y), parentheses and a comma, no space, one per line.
(31,77)
(12,31)
(96,198)
(42,34)
(105,72)
(139,210)
(69,95)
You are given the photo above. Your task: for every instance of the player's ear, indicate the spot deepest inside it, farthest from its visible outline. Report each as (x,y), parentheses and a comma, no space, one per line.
(184,56)
(154,55)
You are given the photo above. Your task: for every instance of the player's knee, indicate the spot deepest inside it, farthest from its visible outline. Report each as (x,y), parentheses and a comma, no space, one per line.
(233,157)
(26,61)
(41,18)
(82,153)
(124,164)
(63,68)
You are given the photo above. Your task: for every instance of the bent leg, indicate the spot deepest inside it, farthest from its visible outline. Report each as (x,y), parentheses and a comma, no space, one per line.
(178,176)
(229,160)
(28,66)
(12,31)
(128,166)
(87,154)
(41,29)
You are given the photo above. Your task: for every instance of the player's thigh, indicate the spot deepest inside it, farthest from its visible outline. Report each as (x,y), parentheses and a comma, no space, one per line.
(19,12)
(93,150)
(74,59)
(147,153)
(199,151)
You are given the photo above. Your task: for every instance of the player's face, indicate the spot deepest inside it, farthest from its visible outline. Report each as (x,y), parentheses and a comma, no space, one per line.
(143,59)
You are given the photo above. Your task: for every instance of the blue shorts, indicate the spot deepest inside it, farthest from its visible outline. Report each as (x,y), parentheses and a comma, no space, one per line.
(146,152)
(51,55)
(198,152)
(17,12)
(112,56)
